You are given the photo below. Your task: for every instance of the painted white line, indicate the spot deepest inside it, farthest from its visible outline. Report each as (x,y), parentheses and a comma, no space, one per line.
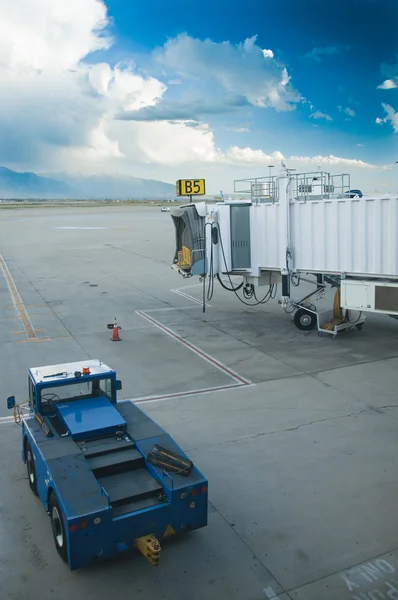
(171,308)
(187,394)
(269,592)
(6,420)
(207,357)
(80,227)
(189,297)
(191,285)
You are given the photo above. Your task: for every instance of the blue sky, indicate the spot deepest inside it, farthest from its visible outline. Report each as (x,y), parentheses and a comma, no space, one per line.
(334,52)
(216,89)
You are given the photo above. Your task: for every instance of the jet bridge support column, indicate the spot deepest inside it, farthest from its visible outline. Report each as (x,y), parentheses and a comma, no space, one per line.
(284,235)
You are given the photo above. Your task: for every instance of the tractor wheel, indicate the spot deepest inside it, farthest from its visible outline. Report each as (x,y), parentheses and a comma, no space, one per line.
(31,468)
(58,528)
(304,320)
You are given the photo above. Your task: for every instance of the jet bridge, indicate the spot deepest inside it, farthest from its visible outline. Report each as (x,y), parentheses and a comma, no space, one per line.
(290,226)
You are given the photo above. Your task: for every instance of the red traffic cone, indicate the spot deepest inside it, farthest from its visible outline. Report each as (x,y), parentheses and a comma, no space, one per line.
(115,332)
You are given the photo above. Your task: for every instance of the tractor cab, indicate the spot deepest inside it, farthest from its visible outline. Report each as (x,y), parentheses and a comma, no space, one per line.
(75,399)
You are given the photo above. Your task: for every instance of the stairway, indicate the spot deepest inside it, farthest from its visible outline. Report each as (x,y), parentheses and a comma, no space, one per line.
(120,469)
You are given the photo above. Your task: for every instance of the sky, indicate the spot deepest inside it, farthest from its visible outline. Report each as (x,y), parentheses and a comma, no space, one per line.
(170,89)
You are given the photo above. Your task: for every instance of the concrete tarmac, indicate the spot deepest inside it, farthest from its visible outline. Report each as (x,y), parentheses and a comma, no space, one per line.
(296,433)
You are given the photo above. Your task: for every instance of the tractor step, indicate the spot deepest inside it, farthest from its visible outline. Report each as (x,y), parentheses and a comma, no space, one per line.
(130,507)
(127,459)
(105,446)
(130,486)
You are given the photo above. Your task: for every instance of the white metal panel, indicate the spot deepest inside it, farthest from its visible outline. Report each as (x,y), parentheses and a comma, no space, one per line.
(224,221)
(353,236)
(265,237)
(370,295)
(356,236)
(357,295)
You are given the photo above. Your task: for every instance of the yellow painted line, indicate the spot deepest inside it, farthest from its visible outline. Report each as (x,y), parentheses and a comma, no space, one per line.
(16,298)
(25,305)
(33,340)
(48,339)
(24,332)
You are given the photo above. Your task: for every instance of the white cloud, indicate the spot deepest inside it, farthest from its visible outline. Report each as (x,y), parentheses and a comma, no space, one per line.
(317,54)
(53,35)
(57,110)
(51,100)
(227,69)
(238,129)
(390,73)
(248,155)
(166,143)
(267,53)
(348,111)
(320,115)
(333,161)
(388,84)
(391,116)
(360,145)
(236,155)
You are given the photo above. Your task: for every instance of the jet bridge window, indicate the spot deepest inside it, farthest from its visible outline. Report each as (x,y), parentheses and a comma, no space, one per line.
(75,391)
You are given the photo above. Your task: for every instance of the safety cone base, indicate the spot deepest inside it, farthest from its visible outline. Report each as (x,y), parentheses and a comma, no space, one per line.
(115,333)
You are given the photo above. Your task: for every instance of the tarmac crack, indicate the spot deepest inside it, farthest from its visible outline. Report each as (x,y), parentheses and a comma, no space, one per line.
(51,309)
(264,433)
(162,262)
(243,541)
(352,566)
(213,326)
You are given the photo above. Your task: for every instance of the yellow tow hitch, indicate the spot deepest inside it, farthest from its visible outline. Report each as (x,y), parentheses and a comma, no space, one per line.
(149,547)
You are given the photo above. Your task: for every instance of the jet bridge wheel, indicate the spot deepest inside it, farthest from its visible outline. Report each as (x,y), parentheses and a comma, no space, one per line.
(304,319)
(30,467)
(58,527)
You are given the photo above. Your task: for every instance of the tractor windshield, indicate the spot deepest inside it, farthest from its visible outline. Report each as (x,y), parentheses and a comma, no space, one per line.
(50,396)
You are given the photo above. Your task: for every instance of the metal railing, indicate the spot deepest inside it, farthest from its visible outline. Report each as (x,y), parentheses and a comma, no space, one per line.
(319,185)
(260,189)
(314,185)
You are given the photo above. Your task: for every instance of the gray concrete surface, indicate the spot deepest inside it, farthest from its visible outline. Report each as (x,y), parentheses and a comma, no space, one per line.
(303,476)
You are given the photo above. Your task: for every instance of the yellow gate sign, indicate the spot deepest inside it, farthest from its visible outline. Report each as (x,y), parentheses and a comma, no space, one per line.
(190,187)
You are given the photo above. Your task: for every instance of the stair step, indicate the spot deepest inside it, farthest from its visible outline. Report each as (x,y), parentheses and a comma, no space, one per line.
(105,446)
(116,461)
(130,486)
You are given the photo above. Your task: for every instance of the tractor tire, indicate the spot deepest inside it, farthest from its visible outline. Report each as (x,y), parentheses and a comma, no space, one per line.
(304,320)
(31,468)
(58,528)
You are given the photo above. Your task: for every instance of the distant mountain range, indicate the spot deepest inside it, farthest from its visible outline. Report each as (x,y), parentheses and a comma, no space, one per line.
(15,185)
